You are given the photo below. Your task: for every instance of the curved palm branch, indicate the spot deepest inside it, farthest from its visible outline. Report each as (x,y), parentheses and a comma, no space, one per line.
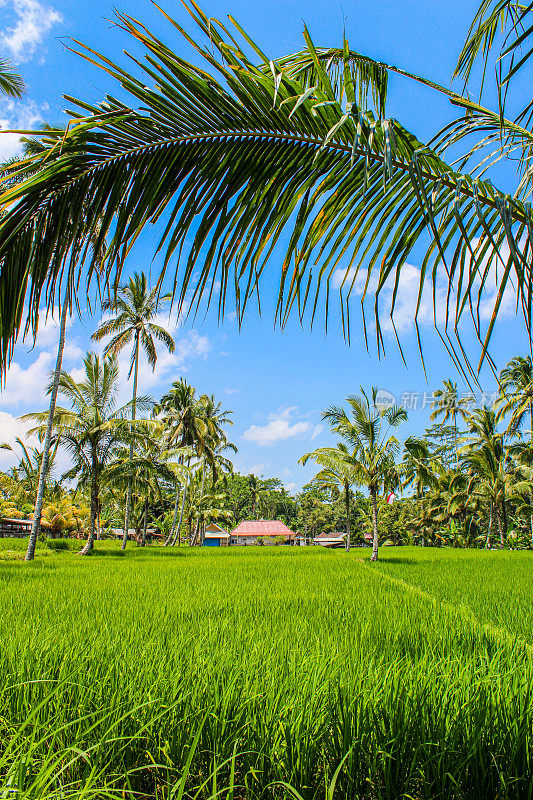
(234,162)
(492,17)
(11,84)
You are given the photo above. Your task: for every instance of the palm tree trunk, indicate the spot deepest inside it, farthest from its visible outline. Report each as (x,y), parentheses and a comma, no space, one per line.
(198,535)
(347,501)
(133,410)
(373,500)
(177,534)
(94,508)
(174,518)
(45,463)
(456,445)
(531,494)
(505,521)
(489,529)
(145,523)
(500,528)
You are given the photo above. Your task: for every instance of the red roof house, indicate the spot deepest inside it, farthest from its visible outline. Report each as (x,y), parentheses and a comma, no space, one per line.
(261,531)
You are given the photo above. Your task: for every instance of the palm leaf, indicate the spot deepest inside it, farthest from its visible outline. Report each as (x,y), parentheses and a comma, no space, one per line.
(233,165)
(11,84)
(494,17)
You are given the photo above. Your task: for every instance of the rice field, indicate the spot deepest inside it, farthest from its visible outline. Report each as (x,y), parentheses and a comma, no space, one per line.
(266,673)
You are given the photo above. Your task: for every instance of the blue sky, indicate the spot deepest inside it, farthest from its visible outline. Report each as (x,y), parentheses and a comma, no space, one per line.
(276,382)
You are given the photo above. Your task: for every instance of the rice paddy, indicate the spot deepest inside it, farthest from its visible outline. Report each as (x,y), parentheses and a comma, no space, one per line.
(255,673)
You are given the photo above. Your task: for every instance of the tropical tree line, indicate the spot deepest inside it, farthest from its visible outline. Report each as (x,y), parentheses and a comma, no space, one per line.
(161,470)
(467,482)
(145,468)
(244,149)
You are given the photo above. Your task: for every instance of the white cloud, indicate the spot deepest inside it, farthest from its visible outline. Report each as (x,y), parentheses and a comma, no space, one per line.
(256,469)
(30,21)
(279,428)
(317,430)
(10,428)
(407,296)
(17,115)
(26,387)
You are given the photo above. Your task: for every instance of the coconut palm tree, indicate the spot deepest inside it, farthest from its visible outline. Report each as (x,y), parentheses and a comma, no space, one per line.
(486,456)
(181,414)
(417,469)
(134,308)
(258,495)
(516,392)
(244,153)
(371,448)
(448,405)
(340,471)
(26,472)
(215,419)
(522,453)
(34,148)
(92,429)
(145,473)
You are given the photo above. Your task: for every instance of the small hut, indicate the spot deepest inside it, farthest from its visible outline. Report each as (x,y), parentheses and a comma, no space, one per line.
(215,536)
(262,531)
(332,539)
(19,528)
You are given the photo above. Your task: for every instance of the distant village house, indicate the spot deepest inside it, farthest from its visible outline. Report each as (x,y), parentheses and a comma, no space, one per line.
(262,531)
(215,536)
(332,539)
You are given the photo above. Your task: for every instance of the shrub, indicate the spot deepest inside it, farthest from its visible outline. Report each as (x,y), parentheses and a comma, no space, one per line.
(57,544)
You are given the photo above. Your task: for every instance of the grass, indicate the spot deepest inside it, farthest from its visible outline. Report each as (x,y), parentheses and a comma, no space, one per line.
(240,673)
(495,586)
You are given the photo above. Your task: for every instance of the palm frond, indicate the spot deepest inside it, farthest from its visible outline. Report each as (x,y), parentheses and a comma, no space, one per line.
(11,84)
(236,161)
(492,18)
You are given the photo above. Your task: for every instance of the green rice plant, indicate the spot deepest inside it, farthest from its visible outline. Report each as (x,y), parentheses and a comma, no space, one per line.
(250,673)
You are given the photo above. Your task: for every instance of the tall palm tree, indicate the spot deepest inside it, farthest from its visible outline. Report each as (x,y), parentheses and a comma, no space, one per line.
(33,148)
(449,405)
(145,474)
(134,308)
(485,456)
(366,430)
(215,419)
(516,392)
(26,472)
(417,468)
(92,429)
(47,432)
(522,452)
(258,495)
(243,153)
(181,414)
(339,472)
